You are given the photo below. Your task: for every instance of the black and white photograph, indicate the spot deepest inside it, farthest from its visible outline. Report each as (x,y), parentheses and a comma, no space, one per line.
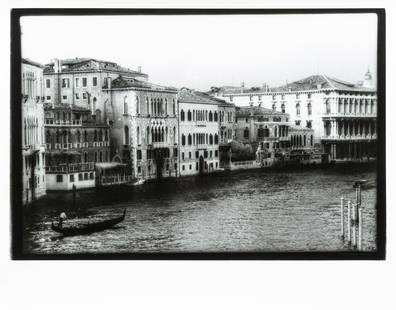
(198,134)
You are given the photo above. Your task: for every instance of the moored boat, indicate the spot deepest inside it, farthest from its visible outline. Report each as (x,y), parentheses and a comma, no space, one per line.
(88,227)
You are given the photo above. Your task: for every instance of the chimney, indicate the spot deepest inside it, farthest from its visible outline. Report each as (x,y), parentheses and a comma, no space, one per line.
(57,65)
(139,69)
(108,82)
(318,86)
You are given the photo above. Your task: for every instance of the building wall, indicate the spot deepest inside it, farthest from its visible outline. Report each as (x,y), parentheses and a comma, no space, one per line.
(32,133)
(65,182)
(135,120)
(193,148)
(226,123)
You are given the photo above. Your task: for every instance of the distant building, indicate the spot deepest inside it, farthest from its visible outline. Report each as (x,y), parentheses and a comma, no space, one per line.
(80,81)
(144,126)
(199,132)
(227,116)
(342,114)
(33,166)
(75,142)
(265,129)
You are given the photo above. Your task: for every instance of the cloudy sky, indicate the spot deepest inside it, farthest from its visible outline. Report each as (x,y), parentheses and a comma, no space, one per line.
(203,51)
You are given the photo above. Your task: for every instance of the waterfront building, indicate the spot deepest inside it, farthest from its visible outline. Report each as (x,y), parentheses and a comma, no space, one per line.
(33,165)
(227,126)
(80,81)
(342,114)
(144,126)
(75,142)
(301,138)
(199,132)
(266,130)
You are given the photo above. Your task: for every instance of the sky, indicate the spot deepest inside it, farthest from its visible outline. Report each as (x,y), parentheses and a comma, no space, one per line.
(203,51)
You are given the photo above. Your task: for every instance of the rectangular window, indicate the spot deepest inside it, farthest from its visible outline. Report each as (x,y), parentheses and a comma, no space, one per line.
(77,82)
(84,82)
(86,176)
(84,95)
(72,178)
(59,178)
(77,96)
(139,154)
(139,169)
(48,97)
(196,166)
(189,154)
(182,155)
(48,83)
(216,153)
(80,176)
(196,154)
(91,175)
(64,97)
(65,83)
(175,153)
(183,167)
(94,81)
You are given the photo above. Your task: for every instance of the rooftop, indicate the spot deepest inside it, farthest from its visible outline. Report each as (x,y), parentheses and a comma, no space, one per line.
(84,64)
(122,82)
(191,96)
(31,62)
(313,82)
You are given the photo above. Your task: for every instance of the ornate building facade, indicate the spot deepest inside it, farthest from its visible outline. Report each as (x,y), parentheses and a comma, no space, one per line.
(80,81)
(144,126)
(199,132)
(75,142)
(342,114)
(33,166)
(265,129)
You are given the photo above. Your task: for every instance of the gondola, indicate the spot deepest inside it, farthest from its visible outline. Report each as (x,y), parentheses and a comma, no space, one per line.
(87,228)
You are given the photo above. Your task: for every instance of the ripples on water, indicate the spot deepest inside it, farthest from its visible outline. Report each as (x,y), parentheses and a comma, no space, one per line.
(244,211)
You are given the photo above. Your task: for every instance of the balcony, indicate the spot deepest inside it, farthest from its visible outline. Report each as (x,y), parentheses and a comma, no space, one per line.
(349,115)
(63,122)
(69,168)
(78,145)
(350,138)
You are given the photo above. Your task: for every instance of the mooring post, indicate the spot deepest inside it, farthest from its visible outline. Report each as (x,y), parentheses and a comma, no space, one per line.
(342,218)
(74,196)
(360,227)
(354,226)
(349,223)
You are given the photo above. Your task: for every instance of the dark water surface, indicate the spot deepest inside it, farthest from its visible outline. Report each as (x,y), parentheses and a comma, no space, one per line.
(244,211)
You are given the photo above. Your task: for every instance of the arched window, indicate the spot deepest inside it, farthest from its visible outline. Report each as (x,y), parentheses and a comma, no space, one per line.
(152,106)
(283,108)
(210,116)
(125,105)
(126,135)
(189,115)
(85,136)
(274,106)
(148,135)
(275,131)
(183,139)
(311,140)
(137,105)
(206,115)
(215,116)
(182,115)
(174,135)
(309,107)
(138,135)
(339,105)
(174,107)
(246,133)
(298,109)
(166,134)
(210,139)
(100,135)
(166,106)
(85,157)
(260,132)
(361,109)
(305,140)
(95,136)
(189,139)
(216,139)
(106,135)
(147,106)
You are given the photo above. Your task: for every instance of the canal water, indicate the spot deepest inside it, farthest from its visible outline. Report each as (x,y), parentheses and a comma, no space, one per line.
(245,211)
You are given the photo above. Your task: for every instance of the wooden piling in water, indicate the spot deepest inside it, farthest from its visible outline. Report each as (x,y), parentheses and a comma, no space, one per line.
(360,226)
(342,218)
(349,222)
(354,226)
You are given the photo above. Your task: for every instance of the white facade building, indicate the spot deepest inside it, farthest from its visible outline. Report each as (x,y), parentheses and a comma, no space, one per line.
(199,132)
(33,144)
(325,104)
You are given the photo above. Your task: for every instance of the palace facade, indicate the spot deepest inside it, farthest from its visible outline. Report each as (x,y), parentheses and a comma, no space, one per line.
(75,142)
(265,129)
(144,126)
(342,114)
(33,165)
(80,81)
(199,132)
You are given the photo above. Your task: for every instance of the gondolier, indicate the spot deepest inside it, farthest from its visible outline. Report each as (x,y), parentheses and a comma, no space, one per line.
(62,217)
